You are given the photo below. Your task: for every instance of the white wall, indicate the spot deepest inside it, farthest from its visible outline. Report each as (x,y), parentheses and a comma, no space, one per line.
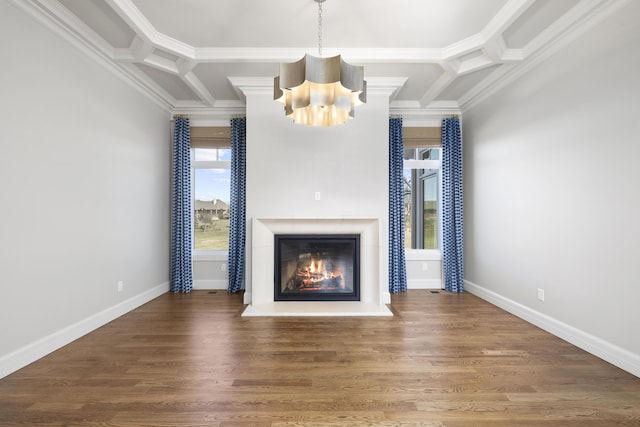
(348,164)
(551,192)
(85,189)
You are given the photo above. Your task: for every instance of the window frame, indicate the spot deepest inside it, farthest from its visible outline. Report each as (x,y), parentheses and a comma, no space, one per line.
(415,166)
(200,254)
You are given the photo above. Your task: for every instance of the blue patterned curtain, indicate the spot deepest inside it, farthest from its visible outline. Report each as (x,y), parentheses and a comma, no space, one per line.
(453,237)
(397,267)
(181,278)
(237,203)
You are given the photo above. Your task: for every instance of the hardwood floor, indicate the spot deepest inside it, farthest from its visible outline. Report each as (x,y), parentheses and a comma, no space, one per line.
(443,360)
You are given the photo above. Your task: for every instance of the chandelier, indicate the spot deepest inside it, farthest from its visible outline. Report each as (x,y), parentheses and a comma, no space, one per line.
(319,91)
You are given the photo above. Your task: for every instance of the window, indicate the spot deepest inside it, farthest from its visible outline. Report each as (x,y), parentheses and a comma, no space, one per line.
(422,197)
(211,179)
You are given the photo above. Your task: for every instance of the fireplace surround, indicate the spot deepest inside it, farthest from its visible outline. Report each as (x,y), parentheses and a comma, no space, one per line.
(374,294)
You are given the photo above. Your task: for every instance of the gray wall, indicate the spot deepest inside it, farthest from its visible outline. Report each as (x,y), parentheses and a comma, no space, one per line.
(551,189)
(85,188)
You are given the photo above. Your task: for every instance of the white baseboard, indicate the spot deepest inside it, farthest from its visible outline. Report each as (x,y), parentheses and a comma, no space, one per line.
(210,284)
(424,284)
(34,351)
(611,353)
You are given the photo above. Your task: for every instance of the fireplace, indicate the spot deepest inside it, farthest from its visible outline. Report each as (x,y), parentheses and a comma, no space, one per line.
(317,267)
(372,272)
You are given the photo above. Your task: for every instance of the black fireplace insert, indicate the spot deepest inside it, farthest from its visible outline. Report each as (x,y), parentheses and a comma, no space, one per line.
(317,267)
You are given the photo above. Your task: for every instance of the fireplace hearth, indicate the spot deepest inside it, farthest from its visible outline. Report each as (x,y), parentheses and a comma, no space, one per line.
(311,267)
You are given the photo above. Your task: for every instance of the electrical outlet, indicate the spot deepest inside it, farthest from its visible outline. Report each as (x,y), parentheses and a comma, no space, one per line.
(425,266)
(540,294)
(317,195)
(120,286)
(223,267)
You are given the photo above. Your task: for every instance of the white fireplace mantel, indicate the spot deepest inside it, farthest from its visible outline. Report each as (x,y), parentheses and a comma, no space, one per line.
(373,295)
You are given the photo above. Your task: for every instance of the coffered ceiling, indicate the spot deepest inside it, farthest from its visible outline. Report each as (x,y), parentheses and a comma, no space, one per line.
(443,56)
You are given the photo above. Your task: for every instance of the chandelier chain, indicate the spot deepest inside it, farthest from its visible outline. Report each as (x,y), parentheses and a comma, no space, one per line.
(320,28)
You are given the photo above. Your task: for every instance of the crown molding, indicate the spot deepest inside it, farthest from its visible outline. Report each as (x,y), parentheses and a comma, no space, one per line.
(414,115)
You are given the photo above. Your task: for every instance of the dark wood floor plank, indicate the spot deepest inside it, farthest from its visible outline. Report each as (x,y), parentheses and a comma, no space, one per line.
(443,360)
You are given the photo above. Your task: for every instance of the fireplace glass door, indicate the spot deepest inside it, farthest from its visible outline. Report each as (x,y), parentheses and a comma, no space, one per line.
(310,267)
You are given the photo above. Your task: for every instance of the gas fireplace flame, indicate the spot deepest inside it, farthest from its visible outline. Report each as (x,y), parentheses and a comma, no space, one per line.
(316,267)
(316,272)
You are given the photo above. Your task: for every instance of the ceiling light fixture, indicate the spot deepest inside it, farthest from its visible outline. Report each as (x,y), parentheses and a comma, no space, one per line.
(319,91)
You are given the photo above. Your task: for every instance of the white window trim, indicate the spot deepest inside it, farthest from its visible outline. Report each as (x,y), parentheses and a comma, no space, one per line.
(422,255)
(427,254)
(202,255)
(210,255)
